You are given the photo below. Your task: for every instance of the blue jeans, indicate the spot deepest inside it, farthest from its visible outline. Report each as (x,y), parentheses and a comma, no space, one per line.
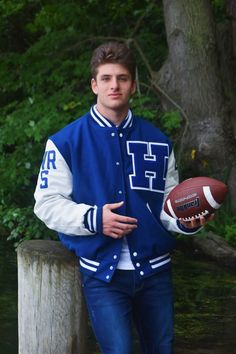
(113,306)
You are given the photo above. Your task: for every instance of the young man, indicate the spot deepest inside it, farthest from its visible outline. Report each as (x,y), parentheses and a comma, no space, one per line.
(102,185)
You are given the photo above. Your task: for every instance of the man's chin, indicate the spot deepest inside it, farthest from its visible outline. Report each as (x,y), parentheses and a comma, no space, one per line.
(117,104)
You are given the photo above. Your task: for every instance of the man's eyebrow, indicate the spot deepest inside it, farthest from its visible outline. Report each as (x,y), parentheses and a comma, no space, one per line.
(120,75)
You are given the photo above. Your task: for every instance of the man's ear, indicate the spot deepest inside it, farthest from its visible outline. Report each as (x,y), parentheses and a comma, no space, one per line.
(94,86)
(134,87)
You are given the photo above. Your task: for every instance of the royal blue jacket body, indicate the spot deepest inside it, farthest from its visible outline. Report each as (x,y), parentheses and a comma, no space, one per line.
(90,163)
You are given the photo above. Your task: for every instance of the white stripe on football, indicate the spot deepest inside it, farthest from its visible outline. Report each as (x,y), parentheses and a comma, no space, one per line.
(195,197)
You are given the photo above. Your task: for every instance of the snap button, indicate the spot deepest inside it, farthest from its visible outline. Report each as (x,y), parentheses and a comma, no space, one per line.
(141,273)
(111,267)
(138,265)
(120,192)
(108,277)
(113,134)
(115,256)
(117,163)
(135,254)
(121,135)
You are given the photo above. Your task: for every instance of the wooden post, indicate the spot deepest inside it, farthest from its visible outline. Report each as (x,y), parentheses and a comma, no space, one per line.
(51,311)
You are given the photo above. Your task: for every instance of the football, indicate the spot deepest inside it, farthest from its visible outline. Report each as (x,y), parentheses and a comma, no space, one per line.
(195,197)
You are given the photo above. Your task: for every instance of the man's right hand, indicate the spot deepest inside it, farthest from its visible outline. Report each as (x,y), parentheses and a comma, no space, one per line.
(115,225)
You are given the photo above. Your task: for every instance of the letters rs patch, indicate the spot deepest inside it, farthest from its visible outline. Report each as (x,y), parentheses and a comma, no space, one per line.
(49,162)
(150,161)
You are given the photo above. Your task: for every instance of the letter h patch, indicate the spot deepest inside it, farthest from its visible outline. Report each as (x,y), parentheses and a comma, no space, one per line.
(149,162)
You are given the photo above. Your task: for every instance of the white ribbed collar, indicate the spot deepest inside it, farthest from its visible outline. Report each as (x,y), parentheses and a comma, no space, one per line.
(104,122)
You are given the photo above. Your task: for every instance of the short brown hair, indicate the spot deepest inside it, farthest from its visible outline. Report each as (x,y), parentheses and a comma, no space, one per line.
(113,52)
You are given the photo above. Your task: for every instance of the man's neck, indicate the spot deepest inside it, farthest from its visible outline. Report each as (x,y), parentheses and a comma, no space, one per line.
(115,116)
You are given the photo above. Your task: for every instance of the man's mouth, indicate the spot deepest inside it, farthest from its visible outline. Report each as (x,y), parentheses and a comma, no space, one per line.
(115,95)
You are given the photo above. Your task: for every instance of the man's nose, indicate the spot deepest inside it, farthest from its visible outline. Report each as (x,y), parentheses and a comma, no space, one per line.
(114,83)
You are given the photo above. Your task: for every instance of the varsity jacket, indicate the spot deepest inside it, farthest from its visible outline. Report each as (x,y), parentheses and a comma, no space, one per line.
(90,163)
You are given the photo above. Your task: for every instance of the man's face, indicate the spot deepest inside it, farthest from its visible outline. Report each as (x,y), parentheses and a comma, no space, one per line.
(113,86)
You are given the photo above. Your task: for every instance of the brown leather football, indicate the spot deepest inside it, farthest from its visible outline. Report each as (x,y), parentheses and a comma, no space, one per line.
(195,197)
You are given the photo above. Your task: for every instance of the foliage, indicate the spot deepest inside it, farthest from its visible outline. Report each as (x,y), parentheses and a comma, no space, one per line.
(224,224)
(171,120)
(45,50)
(20,224)
(219,8)
(230,233)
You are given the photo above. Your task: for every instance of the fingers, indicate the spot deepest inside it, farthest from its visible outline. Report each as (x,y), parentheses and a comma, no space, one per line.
(192,223)
(117,229)
(196,222)
(117,232)
(125,219)
(211,217)
(113,206)
(107,209)
(115,225)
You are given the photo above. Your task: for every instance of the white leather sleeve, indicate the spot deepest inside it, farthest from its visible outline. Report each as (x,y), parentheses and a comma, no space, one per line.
(53,203)
(172,179)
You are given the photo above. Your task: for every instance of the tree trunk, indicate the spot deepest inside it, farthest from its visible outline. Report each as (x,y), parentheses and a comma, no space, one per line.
(194,82)
(216,248)
(231,9)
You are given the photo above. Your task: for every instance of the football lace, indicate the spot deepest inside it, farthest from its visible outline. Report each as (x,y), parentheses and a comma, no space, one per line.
(197,216)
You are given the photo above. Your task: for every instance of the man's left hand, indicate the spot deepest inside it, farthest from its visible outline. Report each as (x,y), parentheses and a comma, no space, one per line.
(196,222)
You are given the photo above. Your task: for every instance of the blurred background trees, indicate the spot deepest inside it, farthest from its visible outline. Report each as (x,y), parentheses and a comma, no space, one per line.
(186,63)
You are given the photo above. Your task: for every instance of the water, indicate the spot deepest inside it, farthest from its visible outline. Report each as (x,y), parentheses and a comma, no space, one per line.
(205,305)
(8,298)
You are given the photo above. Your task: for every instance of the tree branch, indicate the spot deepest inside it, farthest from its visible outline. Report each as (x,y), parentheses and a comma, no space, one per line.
(141,18)
(163,93)
(186,126)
